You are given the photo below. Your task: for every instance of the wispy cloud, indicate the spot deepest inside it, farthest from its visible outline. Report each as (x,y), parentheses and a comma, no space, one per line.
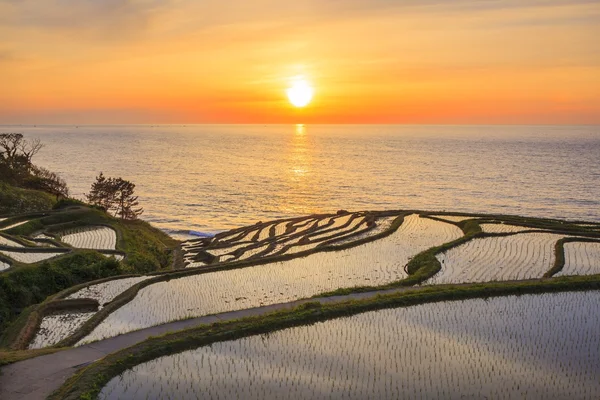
(97,18)
(225,57)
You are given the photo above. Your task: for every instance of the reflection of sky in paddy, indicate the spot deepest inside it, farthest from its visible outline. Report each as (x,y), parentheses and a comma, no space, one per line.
(534,346)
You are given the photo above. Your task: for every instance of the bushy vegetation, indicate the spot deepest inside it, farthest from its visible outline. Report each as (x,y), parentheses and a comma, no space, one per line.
(14,200)
(17,168)
(22,287)
(147,250)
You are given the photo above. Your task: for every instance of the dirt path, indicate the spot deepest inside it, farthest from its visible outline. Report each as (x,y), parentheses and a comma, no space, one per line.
(36,378)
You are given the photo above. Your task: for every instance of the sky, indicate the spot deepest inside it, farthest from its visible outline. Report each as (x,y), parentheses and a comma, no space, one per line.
(368,61)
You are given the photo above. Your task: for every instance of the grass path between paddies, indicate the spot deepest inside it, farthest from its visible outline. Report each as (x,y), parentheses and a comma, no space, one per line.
(38,377)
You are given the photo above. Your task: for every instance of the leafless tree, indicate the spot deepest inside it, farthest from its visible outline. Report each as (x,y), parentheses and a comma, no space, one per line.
(16,151)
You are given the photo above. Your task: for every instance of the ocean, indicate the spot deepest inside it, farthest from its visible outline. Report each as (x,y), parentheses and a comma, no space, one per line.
(215,177)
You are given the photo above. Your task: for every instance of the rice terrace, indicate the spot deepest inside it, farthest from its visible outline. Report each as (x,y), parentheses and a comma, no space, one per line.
(372,304)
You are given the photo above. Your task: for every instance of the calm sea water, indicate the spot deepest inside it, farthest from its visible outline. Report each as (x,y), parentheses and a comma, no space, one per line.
(213,177)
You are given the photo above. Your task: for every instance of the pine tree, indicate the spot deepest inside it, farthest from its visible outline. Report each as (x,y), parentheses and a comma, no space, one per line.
(115,195)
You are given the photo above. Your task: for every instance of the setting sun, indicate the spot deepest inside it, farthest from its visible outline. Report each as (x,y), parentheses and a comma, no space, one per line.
(300,93)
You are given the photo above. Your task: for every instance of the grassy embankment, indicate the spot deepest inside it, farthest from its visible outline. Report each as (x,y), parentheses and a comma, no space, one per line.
(23,286)
(88,382)
(15,200)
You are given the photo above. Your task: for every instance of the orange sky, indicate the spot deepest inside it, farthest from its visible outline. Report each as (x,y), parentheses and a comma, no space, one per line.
(377,61)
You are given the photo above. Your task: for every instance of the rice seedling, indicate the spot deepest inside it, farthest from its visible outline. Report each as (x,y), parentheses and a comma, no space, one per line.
(9,242)
(502,228)
(105,292)
(56,327)
(519,256)
(581,258)
(373,263)
(92,237)
(547,346)
(29,257)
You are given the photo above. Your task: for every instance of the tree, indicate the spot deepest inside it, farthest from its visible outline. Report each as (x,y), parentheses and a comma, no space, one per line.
(126,202)
(15,150)
(16,154)
(115,195)
(48,181)
(100,193)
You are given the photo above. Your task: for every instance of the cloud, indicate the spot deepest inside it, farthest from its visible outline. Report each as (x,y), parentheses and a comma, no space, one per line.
(101,18)
(114,18)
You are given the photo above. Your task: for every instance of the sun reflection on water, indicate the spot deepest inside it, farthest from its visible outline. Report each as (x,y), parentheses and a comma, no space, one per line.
(300,157)
(300,171)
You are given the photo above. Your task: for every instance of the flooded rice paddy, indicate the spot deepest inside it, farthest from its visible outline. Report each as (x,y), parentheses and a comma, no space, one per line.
(279,237)
(581,258)
(58,326)
(29,257)
(92,237)
(520,256)
(8,242)
(531,346)
(503,228)
(374,263)
(105,292)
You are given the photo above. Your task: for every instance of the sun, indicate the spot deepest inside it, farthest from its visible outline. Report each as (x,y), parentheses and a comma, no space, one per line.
(300,93)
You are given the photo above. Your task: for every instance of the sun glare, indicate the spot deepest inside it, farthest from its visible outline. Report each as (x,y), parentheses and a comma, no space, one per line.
(300,93)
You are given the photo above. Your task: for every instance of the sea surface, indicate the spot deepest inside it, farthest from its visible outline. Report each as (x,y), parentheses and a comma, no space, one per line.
(215,177)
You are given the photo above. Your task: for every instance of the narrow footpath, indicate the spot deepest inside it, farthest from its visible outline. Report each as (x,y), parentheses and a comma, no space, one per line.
(36,378)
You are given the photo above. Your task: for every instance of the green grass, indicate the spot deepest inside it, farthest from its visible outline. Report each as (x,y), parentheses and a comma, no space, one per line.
(88,382)
(15,200)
